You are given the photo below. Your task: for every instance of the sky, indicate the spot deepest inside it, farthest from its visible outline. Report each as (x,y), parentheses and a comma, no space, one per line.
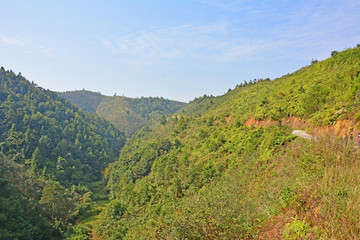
(176,49)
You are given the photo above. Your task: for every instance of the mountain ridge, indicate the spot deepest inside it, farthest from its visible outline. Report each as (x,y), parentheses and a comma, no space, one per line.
(127,114)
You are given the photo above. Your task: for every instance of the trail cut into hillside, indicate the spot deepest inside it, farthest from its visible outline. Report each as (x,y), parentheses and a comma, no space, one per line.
(303,134)
(346,128)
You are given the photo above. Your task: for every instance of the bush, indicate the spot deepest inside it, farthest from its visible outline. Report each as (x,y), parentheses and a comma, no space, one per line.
(298,229)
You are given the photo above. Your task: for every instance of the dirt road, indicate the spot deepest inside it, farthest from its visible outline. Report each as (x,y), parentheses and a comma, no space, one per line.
(303,134)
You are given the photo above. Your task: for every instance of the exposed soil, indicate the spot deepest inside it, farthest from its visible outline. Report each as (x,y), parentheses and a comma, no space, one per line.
(229,120)
(294,122)
(343,128)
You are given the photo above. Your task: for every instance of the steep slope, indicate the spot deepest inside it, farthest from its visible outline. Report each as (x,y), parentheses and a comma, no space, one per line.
(206,103)
(207,174)
(127,114)
(323,92)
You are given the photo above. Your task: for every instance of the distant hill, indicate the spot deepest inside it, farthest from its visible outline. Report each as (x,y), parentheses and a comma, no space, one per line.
(127,114)
(86,100)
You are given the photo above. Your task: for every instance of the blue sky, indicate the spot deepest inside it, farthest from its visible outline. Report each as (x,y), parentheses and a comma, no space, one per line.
(174,49)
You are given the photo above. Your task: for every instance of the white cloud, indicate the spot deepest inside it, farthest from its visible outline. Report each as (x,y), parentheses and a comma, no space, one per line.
(305,28)
(183,41)
(13,41)
(27,45)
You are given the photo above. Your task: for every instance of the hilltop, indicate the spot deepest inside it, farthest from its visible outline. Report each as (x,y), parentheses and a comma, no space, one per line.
(86,100)
(127,114)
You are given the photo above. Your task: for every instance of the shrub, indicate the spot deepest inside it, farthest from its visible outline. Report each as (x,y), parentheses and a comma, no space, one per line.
(298,229)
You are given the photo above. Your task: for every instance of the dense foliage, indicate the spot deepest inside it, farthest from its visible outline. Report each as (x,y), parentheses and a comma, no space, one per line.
(52,136)
(205,175)
(20,216)
(51,152)
(33,207)
(127,114)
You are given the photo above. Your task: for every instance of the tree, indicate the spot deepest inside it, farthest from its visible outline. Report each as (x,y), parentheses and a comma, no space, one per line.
(163,120)
(55,203)
(36,158)
(334,53)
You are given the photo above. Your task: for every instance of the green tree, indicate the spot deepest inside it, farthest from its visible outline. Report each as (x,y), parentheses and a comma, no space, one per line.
(163,120)
(56,203)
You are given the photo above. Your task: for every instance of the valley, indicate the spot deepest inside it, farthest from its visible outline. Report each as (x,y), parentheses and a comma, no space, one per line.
(219,167)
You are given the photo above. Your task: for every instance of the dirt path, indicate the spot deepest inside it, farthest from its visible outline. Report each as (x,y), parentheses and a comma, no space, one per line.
(303,134)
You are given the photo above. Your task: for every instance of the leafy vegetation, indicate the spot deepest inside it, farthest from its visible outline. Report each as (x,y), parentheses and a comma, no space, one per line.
(20,216)
(51,154)
(52,136)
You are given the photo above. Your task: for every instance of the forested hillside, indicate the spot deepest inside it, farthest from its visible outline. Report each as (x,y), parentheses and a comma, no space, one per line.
(51,153)
(209,173)
(127,114)
(86,100)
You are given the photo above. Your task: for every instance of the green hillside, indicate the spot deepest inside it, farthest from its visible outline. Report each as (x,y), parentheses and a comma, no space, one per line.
(209,174)
(127,114)
(130,114)
(45,131)
(52,154)
(86,100)
(224,167)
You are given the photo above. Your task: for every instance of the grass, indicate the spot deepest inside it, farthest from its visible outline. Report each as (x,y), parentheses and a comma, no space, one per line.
(323,199)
